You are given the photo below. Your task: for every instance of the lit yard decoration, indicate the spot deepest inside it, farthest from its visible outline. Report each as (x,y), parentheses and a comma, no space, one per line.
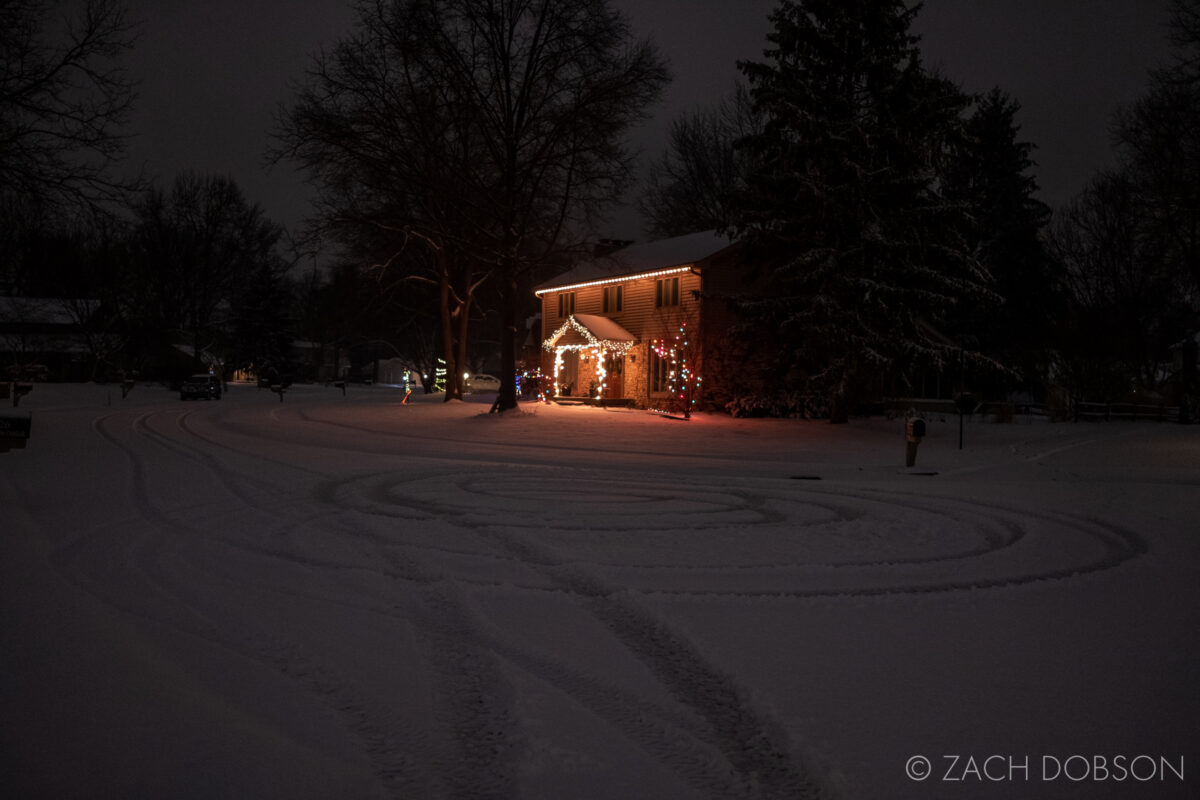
(439,376)
(531,383)
(593,338)
(681,380)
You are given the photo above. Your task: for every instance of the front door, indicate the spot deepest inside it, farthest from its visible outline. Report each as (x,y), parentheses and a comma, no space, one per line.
(568,375)
(614,380)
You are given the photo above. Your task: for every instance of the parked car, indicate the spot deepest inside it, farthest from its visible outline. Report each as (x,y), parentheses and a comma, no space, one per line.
(482,383)
(203,386)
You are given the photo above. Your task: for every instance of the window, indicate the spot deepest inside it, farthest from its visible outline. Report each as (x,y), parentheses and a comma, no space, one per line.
(660,371)
(566,304)
(613,299)
(666,292)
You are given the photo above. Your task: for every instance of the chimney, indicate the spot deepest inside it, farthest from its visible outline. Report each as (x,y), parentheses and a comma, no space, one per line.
(606,247)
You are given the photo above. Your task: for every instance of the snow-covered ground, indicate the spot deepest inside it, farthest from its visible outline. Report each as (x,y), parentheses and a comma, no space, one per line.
(344,597)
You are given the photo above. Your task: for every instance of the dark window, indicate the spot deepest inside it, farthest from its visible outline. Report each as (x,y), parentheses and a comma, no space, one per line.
(613,299)
(566,304)
(666,292)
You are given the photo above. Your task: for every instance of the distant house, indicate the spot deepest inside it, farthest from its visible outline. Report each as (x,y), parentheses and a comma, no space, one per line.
(49,338)
(632,326)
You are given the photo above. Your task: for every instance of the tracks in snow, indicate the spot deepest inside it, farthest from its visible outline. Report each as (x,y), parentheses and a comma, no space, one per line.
(417,555)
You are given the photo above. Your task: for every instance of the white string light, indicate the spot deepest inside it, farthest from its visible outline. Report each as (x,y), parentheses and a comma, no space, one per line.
(620,346)
(622,279)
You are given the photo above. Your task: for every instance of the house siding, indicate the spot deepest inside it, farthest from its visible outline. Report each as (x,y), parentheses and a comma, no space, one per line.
(639,315)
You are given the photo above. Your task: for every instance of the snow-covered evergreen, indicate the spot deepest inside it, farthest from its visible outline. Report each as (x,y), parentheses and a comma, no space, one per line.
(847,202)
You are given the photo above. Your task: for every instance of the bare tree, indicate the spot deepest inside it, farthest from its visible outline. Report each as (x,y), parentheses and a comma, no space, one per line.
(64,99)
(1131,240)
(190,247)
(1123,296)
(688,188)
(386,144)
(480,130)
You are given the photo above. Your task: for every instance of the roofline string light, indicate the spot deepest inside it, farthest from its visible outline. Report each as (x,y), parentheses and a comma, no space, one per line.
(656,273)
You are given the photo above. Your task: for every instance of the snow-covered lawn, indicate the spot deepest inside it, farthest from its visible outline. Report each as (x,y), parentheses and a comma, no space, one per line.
(344,597)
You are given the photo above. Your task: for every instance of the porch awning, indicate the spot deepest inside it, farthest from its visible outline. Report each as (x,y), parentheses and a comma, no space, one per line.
(591,331)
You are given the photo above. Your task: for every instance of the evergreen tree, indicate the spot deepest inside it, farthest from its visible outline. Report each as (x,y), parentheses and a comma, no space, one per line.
(990,175)
(867,256)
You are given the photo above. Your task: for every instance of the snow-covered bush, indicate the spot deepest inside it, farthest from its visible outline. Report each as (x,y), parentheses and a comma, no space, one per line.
(784,404)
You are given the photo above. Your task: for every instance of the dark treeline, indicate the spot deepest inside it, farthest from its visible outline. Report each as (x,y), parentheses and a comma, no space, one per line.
(893,234)
(165,277)
(893,239)
(192,275)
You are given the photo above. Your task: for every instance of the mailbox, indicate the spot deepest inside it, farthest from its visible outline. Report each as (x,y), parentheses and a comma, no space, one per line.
(14,430)
(914,432)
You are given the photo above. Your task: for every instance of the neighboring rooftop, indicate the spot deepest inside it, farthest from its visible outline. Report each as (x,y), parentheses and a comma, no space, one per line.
(639,258)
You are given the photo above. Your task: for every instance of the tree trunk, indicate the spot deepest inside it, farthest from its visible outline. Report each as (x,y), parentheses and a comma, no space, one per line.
(452,390)
(839,409)
(507,398)
(460,355)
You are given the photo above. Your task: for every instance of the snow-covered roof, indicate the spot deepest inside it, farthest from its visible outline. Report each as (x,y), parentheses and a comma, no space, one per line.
(205,356)
(604,329)
(639,258)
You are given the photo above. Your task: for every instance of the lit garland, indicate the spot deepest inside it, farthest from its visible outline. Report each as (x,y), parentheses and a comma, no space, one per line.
(619,346)
(558,354)
(601,373)
(593,347)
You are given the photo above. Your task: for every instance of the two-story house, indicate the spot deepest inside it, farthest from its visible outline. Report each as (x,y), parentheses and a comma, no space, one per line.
(627,327)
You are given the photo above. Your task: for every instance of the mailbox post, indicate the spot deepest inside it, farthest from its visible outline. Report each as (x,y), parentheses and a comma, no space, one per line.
(19,390)
(914,432)
(127,383)
(965,404)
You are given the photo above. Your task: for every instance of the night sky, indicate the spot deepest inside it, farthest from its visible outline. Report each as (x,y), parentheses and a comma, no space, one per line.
(212,74)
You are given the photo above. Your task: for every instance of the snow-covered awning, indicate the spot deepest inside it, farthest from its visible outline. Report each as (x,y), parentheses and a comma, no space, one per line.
(592,331)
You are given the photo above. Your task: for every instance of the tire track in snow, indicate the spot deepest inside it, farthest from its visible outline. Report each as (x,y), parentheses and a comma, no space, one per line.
(759,757)
(746,745)
(674,660)
(158,599)
(996,530)
(483,764)
(713,759)
(680,741)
